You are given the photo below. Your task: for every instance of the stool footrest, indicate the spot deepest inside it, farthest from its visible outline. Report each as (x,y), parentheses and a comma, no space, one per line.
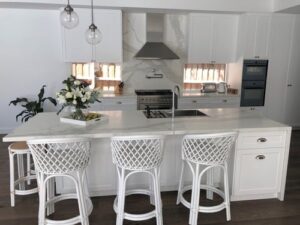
(205,209)
(136,217)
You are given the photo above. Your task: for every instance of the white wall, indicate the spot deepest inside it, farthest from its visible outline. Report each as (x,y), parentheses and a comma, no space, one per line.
(30,56)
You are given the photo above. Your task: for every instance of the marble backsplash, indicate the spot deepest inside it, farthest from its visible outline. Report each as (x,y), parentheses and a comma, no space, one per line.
(134,36)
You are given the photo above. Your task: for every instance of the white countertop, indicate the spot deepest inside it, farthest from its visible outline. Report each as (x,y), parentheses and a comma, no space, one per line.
(47,125)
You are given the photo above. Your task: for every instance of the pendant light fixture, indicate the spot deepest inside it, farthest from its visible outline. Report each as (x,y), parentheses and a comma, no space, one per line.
(93,35)
(69,18)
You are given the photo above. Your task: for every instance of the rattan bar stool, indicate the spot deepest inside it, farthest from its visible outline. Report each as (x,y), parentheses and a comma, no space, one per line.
(132,155)
(62,158)
(20,149)
(209,151)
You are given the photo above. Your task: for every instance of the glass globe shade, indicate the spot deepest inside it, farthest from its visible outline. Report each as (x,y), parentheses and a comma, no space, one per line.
(69,19)
(93,36)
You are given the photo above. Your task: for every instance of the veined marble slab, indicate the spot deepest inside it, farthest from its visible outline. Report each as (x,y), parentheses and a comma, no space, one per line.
(47,125)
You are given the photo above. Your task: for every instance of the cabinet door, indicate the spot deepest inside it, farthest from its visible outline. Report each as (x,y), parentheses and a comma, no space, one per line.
(257,171)
(292,107)
(279,54)
(225,28)
(75,47)
(200,38)
(256,31)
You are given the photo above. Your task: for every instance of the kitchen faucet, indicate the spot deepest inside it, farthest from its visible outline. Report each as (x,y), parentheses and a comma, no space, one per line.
(176,87)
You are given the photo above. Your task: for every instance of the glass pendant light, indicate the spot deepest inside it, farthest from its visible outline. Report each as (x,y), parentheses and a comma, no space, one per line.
(68,18)
(93,35)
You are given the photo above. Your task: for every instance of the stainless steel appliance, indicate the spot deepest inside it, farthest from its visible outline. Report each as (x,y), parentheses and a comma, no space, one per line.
(209,87)
(254,82)
(168,114)
(154,99)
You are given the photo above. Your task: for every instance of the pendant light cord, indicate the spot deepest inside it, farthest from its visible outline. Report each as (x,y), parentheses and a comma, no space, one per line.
(68,2)
(92,11)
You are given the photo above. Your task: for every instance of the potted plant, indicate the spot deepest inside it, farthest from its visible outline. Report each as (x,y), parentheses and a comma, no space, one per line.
(78,96)
(32,107)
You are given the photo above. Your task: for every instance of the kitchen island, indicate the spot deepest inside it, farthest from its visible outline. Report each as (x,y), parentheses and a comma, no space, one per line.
(257,167)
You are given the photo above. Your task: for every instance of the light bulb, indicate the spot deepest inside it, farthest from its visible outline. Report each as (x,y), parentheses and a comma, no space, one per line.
(93,35)
(68,18)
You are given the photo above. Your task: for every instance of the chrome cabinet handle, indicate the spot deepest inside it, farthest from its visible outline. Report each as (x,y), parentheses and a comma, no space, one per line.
(119,102)
(224,100)
(260,157)
(262,140)
(194,101)
(256,57)
(289,85)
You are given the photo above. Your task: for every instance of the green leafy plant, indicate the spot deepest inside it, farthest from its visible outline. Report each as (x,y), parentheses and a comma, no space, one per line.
(32,107)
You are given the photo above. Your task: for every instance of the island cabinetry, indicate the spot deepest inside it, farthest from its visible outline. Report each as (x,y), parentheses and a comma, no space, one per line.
(116,103)
(76,48)
(208,102)
(212,38)
(258,165)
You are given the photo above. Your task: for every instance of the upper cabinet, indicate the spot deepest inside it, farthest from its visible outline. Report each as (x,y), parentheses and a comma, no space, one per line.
(254,33)
(109,22)
(212,38)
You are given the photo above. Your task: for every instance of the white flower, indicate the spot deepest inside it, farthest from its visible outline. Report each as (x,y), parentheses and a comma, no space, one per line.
(77,82)
(88,95)
(83,99)
(74,102)
(61,99)
(69,95)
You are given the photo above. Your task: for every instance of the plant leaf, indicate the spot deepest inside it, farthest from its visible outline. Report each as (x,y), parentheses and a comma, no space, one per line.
(52,100)
(18,100)
(21,113)
(42,92)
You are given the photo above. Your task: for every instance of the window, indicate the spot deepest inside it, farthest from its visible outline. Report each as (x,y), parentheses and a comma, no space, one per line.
(196,74)
(106,77)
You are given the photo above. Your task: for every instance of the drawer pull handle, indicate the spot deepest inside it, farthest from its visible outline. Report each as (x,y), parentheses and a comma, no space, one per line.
(119,103)
(262,140)
(225,100)
(260,157)
(194,101)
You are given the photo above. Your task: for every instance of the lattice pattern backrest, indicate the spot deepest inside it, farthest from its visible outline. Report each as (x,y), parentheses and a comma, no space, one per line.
(208,149)
(137,153)
(52,157)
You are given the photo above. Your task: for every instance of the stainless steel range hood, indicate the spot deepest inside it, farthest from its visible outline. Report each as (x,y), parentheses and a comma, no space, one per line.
(154,47)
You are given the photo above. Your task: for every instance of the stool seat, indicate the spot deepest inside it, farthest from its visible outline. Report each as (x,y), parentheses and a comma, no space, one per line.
(19,146)
(202,153)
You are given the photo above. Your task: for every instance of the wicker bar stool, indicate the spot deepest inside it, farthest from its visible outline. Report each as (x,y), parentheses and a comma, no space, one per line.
(209,151)
(20,149)
(62,158)
(132,155)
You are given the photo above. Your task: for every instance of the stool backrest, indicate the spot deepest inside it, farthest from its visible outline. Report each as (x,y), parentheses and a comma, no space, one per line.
(137,152)
(208,149)
(54,156)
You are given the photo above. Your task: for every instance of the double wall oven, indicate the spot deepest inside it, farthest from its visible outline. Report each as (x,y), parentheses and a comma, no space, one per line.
(254,82)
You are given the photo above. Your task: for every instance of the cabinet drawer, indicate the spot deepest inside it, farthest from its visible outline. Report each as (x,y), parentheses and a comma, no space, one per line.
(261,140)
(258,171)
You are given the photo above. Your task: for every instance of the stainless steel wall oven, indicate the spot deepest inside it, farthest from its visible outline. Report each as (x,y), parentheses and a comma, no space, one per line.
(254,82)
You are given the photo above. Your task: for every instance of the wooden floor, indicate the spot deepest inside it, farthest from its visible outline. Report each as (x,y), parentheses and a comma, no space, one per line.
(262,212)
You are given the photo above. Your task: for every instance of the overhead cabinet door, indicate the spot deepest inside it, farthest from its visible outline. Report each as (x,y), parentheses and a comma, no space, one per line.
(109,22)
(212,38)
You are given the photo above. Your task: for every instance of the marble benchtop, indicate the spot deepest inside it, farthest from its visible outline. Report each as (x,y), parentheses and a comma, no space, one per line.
(48,125)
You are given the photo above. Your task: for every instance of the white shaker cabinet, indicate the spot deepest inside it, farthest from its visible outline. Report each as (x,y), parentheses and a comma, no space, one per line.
(254,33)
(75,47)
(259,163)
(212,38)
(125,103)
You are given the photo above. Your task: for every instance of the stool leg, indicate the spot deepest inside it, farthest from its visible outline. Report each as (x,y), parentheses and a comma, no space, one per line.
(20,162)
(81,200)
(157,197)
(151,190)
(180,186)
(12,179)
(50,195)
(210,182)
(28,168)
(195,197)
(121,197)
(42,198)
(226,190)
